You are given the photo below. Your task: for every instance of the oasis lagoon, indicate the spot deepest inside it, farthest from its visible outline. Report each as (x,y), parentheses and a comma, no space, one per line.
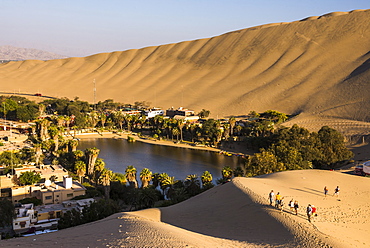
(177,162)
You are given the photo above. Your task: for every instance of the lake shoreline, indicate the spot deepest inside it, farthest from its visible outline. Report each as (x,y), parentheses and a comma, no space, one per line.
(152,141)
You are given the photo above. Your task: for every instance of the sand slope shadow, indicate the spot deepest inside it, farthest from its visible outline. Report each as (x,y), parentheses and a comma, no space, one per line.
(227,212)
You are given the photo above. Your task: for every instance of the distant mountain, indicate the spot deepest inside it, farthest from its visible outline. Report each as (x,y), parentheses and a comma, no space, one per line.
(18,53)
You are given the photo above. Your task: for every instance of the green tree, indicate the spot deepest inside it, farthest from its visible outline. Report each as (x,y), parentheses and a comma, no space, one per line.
(9,158)
(33,200)
(238,172)
(7,213)
(333,147)
(262,163)
(27,112)
(275,116)
(29,178)
(8,105)
(204,113)
(148,196)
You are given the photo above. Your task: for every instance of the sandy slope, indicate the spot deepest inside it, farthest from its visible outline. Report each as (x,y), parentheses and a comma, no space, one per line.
(236,215)
(317,66)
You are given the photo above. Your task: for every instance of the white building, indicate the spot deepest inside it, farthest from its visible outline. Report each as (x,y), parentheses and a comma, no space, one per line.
(26,217)
(153,112)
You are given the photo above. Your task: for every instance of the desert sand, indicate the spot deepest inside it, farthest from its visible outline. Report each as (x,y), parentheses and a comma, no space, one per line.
(316,68)
(236,214)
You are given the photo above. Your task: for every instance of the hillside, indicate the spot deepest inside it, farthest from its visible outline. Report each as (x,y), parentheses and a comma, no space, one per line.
(317,67)
(236,214)
(18,53)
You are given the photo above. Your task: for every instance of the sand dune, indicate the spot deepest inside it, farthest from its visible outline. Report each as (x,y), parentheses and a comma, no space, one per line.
(318,66)
(236,214)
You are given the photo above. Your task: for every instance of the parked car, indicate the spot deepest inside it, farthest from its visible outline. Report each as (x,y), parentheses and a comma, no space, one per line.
(359,170)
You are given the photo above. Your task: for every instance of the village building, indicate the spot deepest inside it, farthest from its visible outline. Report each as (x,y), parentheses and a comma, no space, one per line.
(150,113)
(180,111)
(58,192)
(30,220)
(49,192)
(129,111)
(191,118)
(26,217)
(46,171)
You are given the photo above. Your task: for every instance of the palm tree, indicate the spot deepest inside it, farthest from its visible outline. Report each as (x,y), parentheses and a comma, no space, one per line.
(226,132)
(93,119)
(227,173)
(105,178)
(103,119)
(91,155)
(166,183)
(73,143)
(42,129)
(38,152)
(166,127)
(155,180)
(54,134)
(180,125)
(239,172)
(192,184)
(206,179)
(218,134)
(99,166)
(78,154)
(204,113)
(158,120)
(134,120)
(238,129)
(80,168)
(119,177)
(232,122)
(146,177)
(119,118)
(128,119)
(175,131)
(131,175)
(191,127)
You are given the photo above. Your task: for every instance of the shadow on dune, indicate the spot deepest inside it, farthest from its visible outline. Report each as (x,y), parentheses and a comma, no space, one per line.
(227,212)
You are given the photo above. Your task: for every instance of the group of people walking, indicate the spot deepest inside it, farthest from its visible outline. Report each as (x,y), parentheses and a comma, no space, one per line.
(336,191)
(277,199)
(293,205)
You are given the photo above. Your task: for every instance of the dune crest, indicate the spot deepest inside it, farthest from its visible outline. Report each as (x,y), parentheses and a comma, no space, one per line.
(236,214)
(317,67)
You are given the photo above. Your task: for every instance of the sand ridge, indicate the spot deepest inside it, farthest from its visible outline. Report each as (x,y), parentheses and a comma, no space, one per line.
(236,214)
(317,67)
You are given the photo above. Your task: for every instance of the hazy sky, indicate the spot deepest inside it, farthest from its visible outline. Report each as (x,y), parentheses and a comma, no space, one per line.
(85,27)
